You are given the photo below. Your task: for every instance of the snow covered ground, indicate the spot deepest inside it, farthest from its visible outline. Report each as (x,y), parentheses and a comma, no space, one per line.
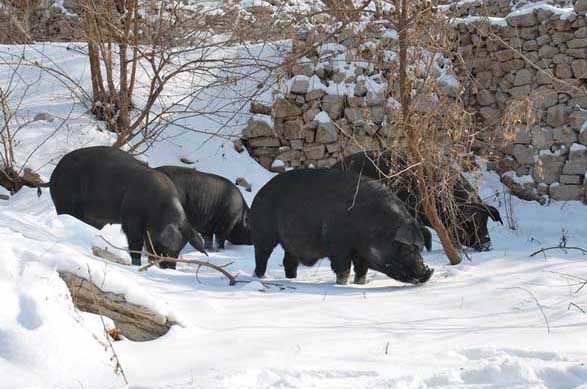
(502,320)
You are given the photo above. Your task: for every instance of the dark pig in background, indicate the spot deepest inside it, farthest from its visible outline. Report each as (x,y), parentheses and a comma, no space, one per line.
(470,221)
(214,206)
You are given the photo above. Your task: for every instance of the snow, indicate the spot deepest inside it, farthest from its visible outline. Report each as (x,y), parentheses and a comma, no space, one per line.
(258,117)
(525,179)
(563,13)
(446,7)
(393,103)
(448,81)
(331,48)
(322,117)
(390,56)
(254,3)
(391,34)
(494,21)
(471,325)
(562,151)
(315,84)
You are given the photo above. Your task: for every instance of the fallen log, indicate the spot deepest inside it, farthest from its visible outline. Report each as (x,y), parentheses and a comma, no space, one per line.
(104,253)
(13,180)
(135,322)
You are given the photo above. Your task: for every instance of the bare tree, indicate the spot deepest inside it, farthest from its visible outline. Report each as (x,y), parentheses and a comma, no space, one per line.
(137,49)
(23,69)
(422,40)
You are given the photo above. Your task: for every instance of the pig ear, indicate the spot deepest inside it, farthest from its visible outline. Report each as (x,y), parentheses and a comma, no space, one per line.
(408,234)
(171,237)
(197,242)
(427,238)
(494,214)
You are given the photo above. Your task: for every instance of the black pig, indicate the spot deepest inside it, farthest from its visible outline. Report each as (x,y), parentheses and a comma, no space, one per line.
(317,213)
(213,205)
(103,185)
(471,216)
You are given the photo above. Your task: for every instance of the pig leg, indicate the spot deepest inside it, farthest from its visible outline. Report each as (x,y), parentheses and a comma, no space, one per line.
(134,236)
(223,231)
(290,264)
(360,266)
(340,254)
(208,241)
(341,266)
(263,250)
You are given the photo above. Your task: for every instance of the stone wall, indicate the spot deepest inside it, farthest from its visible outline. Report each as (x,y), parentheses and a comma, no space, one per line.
(336,100)
(24,21)
(493,8)
(539,56)
(496,8)
(39,21)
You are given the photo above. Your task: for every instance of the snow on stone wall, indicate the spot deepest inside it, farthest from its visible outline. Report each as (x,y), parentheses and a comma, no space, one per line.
(335,102)
(540,52)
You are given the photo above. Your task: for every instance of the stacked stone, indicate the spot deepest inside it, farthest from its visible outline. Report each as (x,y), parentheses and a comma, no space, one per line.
(541,54)
(312,128)
(493,8)
(40,21)
(496,8)
(337,102)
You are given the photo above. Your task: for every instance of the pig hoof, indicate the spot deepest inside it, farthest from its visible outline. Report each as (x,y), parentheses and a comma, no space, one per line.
(361,280)
(342,279)
(258,275)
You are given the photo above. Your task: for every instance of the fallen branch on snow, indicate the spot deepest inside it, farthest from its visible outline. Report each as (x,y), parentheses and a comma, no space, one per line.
(572,304)
(160,258)
(582,282)
(219,268)
(559,248)
(537,303)
(109,256)
(267,284)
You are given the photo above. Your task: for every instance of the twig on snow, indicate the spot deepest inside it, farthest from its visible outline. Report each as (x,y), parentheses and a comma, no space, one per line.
(268,284)
(543,250)
(572,304)
(118,366)
(219,268)
(537,303)
(160,258)
(581,281)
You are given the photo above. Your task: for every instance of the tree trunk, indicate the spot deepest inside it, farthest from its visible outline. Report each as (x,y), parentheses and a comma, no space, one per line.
(427,193)
(123,95)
